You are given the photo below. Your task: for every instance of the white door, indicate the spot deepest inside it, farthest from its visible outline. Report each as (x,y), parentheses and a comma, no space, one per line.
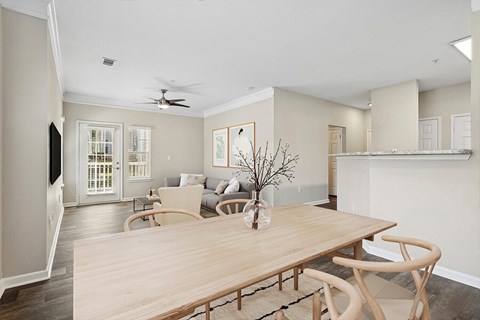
(428,134)
(461,131)
(335,145)
(369,140)
(99,163)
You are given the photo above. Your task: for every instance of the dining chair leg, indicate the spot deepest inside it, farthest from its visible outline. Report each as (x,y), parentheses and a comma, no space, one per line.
(295,278)
(317,306)
(207,311)
(239,299)
(280,281)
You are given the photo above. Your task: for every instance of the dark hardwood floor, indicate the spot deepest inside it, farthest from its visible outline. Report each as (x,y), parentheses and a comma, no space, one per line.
(53,299)
(331,205)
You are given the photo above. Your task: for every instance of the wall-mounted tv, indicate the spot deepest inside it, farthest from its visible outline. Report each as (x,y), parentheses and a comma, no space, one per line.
(55,153)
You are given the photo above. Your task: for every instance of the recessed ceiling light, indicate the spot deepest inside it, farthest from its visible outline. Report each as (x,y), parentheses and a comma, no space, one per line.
(369,104)
(464,45)
(250,88)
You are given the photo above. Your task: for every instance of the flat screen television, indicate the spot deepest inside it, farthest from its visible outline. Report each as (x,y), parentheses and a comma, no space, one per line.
(55,153)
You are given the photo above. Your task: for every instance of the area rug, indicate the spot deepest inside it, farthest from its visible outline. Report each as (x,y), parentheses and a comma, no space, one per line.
(261,301)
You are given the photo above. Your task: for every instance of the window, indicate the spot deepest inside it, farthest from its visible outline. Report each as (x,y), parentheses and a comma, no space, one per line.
(138,152)
(100,163)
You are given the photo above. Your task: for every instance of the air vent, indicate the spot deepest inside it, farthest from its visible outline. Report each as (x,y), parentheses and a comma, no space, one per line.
(108,61)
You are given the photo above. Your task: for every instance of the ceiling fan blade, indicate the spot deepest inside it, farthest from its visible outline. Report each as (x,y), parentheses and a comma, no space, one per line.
(179,105)
(175,100)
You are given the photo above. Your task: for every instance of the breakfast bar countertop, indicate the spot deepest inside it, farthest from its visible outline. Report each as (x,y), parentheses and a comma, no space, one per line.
(459,154)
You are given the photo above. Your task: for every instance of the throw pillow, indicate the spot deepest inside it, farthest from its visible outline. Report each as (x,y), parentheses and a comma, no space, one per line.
(221,187)
(233,186)
(184,178)
(194,180)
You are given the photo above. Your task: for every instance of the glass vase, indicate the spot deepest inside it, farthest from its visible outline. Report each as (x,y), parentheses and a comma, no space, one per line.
(257,213)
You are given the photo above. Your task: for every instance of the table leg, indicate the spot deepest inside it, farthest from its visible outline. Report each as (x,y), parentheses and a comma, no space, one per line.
(207,311)
(280,281)
(357,250)
(295,278)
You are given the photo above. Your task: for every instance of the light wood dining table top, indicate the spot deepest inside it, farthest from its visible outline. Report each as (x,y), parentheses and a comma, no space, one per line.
(156,273)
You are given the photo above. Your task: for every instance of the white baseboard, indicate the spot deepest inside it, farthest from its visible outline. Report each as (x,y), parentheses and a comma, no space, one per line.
(26,278)
(2,287)
(439,270)
(70,204)
(22,279)
(53,248)
(314,203)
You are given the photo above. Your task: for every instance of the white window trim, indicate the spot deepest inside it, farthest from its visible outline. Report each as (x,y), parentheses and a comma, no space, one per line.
(149,177)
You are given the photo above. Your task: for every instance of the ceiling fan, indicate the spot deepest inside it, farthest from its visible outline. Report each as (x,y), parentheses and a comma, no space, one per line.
(163,103)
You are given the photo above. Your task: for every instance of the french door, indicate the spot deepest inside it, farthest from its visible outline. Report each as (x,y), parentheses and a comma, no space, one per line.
(99,162)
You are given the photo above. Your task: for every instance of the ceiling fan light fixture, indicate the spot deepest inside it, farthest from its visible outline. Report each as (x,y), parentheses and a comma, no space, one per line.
(162,105)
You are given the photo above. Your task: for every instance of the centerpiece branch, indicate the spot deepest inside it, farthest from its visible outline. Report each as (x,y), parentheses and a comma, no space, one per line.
(260,167)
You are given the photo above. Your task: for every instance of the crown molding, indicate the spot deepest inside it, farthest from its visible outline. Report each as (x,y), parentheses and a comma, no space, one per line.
(475,5)
(34,8)
(110,103)
(54,39)
(240,102)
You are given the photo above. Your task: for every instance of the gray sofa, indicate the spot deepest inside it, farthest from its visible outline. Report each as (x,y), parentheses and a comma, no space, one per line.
(209,198)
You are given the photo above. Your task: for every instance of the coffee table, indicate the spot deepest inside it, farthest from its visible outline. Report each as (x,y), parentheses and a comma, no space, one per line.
(144,201)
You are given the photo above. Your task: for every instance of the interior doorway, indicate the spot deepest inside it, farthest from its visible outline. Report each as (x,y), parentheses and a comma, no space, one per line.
(428,133)
(99,162)
(336,144)
(461,131)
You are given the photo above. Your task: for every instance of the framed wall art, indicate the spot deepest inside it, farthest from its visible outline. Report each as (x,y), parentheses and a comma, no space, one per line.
(240,138)
(220,147)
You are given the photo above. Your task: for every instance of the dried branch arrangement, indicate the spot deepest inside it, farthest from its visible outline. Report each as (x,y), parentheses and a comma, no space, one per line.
(261,169)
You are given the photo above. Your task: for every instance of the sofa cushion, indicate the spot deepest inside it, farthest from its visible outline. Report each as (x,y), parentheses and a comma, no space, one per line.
(207,191)
(212,183)
(210,200)
(184,178)
(221,187)
(233,186)
(194,180)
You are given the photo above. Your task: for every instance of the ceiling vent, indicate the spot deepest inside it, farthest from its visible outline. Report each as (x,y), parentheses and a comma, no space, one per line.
(108,61)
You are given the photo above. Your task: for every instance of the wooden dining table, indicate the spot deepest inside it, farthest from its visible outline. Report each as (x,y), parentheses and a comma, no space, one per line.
(162,272)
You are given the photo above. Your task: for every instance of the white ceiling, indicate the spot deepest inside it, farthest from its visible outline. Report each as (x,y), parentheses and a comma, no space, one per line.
(214,50)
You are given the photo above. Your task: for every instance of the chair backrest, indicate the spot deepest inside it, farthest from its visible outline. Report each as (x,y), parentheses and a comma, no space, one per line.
(150,214)
(352,310)
(230,206)
(188,198)
(425,263)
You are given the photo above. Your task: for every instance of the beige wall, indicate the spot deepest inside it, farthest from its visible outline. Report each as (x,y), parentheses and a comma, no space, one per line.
(443,202)
(179,137)
(303,122)
(395,117)
(1,137)
(25,152)
(54,114)
(443,103)
(475,92)
(261,113)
